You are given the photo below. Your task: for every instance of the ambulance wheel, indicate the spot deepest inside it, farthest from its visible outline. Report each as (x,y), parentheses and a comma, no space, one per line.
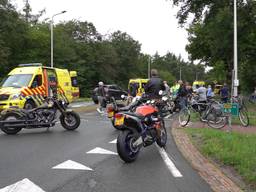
(29,105)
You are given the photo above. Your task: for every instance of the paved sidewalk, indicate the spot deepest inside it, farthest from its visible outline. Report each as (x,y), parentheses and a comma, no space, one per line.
(209,172)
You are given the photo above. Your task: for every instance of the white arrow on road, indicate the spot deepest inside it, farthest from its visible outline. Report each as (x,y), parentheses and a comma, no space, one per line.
(69,164)
(99,150)
(24,185)
(114,141)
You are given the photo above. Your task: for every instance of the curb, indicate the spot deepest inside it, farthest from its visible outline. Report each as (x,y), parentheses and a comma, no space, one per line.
(208,171)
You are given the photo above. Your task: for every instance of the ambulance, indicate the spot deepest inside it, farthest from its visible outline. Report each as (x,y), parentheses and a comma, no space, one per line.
(136,86)
(27,85)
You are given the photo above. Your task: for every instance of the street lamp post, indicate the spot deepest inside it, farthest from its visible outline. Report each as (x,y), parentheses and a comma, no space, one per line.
(236,81)
(180,71)
(149,66)
(52,36)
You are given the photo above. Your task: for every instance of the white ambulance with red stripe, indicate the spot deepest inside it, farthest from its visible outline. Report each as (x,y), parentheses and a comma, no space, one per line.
(27,85)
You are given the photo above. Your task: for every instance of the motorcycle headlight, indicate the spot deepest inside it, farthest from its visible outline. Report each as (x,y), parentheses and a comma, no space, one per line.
(15,96)
(164,98)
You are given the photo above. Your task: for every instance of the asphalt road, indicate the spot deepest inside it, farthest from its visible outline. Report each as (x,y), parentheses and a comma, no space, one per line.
(28,158)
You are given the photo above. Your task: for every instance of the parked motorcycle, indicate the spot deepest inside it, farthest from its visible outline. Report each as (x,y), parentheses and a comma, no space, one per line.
(114,108)
(143,127)
(14,120)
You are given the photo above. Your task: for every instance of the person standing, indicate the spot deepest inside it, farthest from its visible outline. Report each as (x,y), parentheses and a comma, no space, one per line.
(101,97)
(224,93)
(175,88)
(209,93)
(201,92)
(154,85)
(167,88)
(182,94)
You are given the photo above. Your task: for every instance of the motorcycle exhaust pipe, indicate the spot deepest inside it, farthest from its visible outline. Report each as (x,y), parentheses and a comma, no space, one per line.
(138,142)
(27,126)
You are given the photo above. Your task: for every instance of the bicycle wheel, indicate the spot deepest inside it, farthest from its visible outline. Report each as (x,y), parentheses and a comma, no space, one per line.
(184,117)
(243,117)
(216,120)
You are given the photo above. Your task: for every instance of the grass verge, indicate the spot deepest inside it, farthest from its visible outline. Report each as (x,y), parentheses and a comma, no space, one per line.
(230,149)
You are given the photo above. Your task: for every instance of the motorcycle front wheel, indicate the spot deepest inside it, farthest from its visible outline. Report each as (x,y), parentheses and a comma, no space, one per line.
(70,121)
(11,117)
(125,149)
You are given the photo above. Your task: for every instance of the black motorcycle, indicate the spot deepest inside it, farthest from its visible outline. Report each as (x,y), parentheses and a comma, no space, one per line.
(13,120)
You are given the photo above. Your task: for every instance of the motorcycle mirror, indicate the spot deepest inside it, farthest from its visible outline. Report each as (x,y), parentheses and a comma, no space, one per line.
(161,92)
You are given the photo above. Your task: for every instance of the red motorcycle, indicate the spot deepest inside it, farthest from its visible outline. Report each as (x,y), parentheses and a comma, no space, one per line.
(143,127)
(114,108)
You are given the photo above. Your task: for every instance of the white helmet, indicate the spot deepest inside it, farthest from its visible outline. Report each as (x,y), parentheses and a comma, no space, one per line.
(101,83)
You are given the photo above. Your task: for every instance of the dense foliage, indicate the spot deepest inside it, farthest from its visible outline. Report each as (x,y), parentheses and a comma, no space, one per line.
(211,37)
(112,58)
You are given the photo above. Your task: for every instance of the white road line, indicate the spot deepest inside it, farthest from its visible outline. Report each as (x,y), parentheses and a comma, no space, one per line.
(69,164)
(99,150)
(24,185)
(175,172)
(114,141)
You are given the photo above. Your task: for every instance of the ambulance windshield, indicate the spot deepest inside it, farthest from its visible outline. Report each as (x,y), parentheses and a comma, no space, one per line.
(16,80)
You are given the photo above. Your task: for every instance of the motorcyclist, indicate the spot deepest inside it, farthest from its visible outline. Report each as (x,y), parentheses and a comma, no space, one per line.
(154,85)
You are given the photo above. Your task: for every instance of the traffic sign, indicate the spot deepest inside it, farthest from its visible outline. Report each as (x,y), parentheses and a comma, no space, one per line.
(231,108)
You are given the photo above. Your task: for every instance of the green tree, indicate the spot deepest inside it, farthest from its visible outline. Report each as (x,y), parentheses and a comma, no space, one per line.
(211,34)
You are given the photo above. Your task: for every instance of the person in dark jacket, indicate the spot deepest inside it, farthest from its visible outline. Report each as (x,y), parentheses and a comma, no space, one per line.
(224,93)
(154,85)
(182,94)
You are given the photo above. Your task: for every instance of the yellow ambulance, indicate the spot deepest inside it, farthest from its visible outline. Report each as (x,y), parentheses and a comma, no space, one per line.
(27,85)
(136,86)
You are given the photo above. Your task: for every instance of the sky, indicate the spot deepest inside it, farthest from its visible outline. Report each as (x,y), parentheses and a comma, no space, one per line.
(151,22)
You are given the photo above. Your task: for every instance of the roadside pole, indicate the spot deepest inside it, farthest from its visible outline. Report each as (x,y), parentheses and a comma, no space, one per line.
(236,81)
(149,66)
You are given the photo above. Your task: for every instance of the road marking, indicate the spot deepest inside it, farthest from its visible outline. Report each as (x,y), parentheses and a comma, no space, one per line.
(175,172)
(24,185)
(69,164)
(99,150)
(114,141)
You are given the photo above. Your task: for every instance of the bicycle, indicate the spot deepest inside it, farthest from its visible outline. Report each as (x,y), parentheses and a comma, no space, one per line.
(210,112)
(242,111)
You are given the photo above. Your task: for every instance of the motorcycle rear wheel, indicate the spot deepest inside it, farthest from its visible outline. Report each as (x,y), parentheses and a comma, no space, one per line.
(11,130)
(125,150)
(70,121)
(161,141)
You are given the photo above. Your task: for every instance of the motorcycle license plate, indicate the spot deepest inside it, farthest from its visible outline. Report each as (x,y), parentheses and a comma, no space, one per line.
(119,121)
(110,114)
